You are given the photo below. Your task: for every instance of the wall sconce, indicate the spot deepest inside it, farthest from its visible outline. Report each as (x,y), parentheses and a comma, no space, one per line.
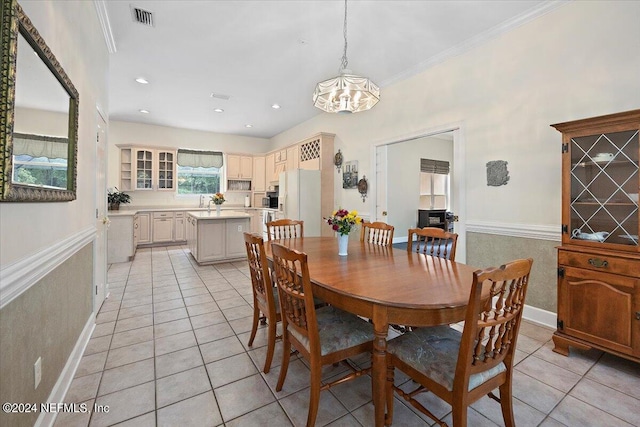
(337,160)
(363,187)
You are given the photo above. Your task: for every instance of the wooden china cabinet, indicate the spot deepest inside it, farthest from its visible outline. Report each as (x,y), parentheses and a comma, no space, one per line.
(599,259)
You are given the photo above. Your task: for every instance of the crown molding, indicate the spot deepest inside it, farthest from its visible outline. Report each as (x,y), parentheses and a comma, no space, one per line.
(480,39)
(103,17)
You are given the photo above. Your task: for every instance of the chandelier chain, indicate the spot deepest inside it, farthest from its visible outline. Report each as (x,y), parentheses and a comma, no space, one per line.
(345,61)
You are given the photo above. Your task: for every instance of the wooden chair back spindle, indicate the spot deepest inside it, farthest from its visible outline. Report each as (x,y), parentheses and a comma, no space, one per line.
(285,229)
(433,241)
(378,233)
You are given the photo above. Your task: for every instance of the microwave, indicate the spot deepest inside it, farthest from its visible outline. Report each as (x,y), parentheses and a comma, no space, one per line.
(270,202)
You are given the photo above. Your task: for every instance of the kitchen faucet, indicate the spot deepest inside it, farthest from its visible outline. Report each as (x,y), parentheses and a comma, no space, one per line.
(202,201)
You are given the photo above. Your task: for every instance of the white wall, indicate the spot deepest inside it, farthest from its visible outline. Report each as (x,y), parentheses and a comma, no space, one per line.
(125,133)
(579,60)
(71,30)
(403,183)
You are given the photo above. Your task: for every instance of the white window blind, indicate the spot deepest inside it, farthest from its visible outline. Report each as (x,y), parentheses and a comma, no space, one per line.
(200,159)
(40,146)
(434,166)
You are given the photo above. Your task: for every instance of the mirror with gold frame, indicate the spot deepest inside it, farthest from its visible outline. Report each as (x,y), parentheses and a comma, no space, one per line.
(38,115)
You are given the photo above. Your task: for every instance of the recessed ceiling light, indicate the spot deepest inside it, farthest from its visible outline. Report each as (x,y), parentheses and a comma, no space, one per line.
(276,106)
(144,111)
(219,110)
(142,81)
(248,126)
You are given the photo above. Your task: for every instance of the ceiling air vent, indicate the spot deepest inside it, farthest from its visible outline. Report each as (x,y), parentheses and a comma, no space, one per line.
(142,16)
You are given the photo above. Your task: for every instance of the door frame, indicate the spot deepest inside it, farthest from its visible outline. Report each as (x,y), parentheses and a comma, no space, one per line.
(100,256)
(457,182)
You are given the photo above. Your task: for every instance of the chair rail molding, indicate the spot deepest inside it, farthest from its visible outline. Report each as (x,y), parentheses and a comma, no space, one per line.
(19,276)
(527,231)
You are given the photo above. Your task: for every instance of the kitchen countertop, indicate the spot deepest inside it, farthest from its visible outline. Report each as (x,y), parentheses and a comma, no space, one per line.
(129,211)
(214,215)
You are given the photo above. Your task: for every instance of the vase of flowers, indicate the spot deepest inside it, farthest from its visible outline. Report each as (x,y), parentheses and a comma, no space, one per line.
(115,197)
(342,222)
(218,200)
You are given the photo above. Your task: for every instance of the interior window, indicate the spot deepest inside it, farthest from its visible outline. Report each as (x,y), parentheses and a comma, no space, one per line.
(434,184)
(199,172)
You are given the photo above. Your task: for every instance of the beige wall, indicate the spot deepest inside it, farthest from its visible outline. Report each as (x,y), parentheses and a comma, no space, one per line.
(403,181)
(73,34)
(45,321)
(488,250)
(576,61)
(125,133)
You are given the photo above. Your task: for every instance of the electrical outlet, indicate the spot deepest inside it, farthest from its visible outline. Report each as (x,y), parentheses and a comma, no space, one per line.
(37,371)
(240,228)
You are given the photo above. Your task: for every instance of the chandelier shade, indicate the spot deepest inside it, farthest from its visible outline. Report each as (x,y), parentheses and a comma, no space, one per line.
(347,93)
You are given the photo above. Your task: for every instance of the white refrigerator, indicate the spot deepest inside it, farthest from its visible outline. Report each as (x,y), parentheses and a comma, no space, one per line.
(299,198)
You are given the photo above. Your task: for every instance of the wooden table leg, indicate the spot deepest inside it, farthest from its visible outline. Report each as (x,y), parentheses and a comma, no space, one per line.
(379,363)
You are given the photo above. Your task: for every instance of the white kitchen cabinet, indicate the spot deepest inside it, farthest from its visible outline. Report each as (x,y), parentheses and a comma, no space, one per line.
(217,238)
(162,230)
(210,240)
(191,231)
(144,228)
(292,158)
(259,177)
(239,167)
(143,168)
(269,167)
(179,227)
(120,238)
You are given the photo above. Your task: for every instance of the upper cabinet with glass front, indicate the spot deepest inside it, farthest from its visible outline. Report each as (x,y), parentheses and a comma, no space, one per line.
(147,169)
(601,181)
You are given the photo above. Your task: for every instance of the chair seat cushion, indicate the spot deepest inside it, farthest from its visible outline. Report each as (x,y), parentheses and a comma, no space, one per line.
(337,330)
(276,299)
(434,352)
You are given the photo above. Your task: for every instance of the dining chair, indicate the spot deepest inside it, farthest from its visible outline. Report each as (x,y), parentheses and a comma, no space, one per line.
(323,336)
(379,233)
(433,241)
(265,295)
(460,368)
(285,229)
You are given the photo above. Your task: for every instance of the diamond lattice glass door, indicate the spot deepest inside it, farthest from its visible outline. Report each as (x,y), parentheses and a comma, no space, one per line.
(604,188)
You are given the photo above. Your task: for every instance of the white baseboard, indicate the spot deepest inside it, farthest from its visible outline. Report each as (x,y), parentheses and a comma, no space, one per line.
(66,376)
(540,316)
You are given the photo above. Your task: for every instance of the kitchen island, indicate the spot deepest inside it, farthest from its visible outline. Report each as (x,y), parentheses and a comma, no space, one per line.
(213,237)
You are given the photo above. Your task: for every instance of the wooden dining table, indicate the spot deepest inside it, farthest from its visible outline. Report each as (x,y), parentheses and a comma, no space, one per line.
(387,285)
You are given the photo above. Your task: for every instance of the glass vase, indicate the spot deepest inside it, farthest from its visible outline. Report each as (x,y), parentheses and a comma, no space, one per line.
(218,210)
(343,244)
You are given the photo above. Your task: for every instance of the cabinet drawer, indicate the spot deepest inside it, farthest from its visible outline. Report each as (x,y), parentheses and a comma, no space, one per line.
(163,214)
(179,214)
(599,262)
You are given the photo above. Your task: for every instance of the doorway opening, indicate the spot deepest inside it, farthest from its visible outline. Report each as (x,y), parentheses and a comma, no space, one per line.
(396,187)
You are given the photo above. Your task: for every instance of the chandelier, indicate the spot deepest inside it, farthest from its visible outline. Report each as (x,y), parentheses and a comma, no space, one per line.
(347,93)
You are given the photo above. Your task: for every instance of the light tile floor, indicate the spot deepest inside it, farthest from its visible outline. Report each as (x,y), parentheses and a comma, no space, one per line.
(170,349)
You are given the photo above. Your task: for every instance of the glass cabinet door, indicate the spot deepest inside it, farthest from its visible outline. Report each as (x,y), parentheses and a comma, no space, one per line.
(144,167)
(604,188)
(166,167)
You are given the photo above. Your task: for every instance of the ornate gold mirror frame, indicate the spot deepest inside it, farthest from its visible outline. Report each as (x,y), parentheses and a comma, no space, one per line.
(13,23)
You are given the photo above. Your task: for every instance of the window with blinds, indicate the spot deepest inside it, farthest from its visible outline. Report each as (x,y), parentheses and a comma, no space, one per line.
(199,172)
(434,184)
